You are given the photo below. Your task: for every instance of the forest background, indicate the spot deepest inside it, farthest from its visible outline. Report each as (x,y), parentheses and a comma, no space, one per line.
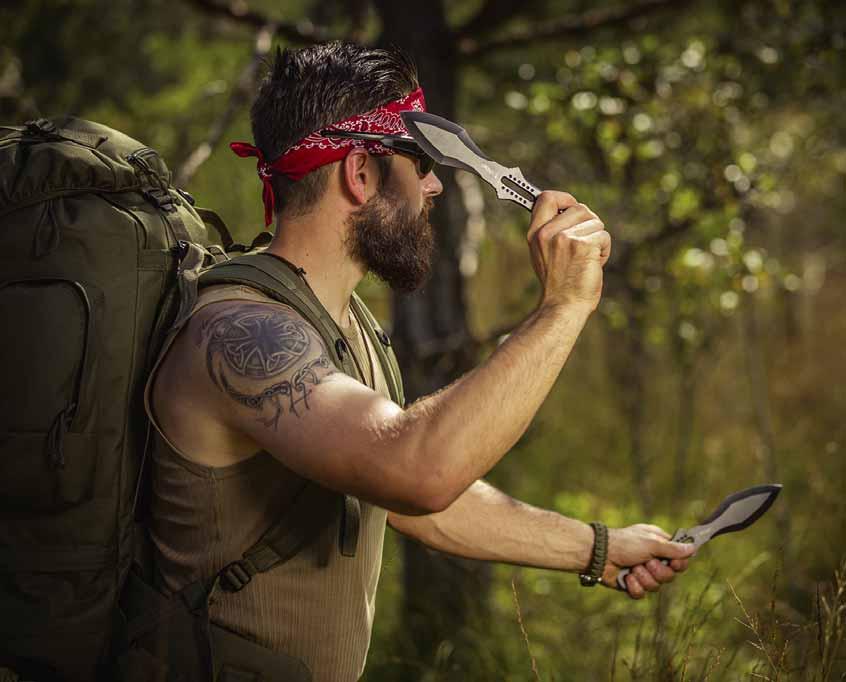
(711,137)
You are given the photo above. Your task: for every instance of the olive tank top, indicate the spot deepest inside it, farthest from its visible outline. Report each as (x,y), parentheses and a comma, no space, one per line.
(319,605)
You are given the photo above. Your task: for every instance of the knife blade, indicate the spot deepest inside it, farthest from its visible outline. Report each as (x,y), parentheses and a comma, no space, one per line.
(736,512)
(450,145)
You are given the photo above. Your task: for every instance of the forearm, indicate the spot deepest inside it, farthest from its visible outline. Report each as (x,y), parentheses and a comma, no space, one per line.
(461,432)
(486,524)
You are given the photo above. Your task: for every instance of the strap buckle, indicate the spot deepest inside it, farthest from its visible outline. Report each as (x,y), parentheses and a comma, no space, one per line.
(154,188)
(181,249)
(41,126)
(160,198)
(236,576)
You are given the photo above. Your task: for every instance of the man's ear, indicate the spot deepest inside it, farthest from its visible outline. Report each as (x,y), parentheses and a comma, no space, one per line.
(359,176)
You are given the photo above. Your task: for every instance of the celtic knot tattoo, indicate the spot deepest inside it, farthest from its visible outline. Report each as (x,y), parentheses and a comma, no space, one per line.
(258,343)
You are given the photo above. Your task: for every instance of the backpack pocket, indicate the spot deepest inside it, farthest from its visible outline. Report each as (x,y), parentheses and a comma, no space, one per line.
(48,447)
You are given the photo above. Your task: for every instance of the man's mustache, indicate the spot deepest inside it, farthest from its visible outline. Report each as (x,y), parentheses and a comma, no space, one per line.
(427,206)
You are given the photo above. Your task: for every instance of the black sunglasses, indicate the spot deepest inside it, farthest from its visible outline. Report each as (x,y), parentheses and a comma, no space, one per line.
(403,145)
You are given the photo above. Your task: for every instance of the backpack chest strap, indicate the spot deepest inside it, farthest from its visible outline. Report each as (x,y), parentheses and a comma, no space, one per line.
(313,511)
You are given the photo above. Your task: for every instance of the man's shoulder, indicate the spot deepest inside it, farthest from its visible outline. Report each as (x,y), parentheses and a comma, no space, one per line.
(235,359)
(235,336)
(254,338)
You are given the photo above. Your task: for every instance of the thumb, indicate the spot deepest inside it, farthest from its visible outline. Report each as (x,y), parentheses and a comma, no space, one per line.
(677,550)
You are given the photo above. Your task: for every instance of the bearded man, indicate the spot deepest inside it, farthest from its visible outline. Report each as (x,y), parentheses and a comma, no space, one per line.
(249,402)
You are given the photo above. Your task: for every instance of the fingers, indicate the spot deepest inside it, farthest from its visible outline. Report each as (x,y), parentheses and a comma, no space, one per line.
(571,227)
(577,222)
(660,572)
(548,204)
(645,578)
(679,565)
(603,239)
(634,588)
(586,228)
(649,577)
(546,213)
(593,231)
(577,214)
(590,231)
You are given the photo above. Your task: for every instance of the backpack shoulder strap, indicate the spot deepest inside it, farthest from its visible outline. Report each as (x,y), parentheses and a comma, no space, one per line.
(382,343)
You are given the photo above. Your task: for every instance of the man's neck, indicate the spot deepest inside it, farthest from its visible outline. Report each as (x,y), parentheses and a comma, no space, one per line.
(315,243)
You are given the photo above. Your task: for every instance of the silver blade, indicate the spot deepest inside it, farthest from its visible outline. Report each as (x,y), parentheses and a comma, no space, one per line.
(450,145)
(738,511)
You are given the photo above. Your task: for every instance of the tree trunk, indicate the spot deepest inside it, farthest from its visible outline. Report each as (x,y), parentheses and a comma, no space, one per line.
(442,595)
(626,365)
(685,420)
(756,372)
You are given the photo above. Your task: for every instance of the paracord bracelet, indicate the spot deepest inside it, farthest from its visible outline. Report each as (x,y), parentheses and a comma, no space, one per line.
(598,556)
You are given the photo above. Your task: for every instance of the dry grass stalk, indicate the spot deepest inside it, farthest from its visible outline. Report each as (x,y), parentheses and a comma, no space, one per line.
(831,623)
(523,630)
(774,654)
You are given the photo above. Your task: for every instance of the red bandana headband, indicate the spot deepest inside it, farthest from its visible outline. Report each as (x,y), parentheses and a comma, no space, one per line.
(315,150)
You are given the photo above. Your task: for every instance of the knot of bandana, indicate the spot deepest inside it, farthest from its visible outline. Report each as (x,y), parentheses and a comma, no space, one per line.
(315,150)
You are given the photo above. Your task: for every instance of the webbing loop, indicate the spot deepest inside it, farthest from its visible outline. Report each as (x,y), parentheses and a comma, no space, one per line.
(236,576)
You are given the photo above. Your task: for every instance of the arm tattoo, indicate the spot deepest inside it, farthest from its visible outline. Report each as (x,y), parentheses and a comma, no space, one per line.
(258,343)
(296,391)
(255,341)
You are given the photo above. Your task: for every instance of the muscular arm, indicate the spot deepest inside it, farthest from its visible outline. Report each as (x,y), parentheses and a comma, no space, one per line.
(263,372)
(488,525)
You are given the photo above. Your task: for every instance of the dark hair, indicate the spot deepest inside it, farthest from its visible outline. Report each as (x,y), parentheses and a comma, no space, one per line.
(307,89)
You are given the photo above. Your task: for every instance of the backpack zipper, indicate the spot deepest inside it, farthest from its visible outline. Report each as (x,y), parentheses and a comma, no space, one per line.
(62,421)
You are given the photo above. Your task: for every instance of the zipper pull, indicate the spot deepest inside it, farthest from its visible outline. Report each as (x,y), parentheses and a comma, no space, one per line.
(341,348)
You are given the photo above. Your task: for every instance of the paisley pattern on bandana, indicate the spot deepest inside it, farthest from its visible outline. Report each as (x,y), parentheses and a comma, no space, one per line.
(384,120)
(314,150)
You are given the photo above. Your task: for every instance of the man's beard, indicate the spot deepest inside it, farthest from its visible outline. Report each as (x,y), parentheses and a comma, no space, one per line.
(391,241)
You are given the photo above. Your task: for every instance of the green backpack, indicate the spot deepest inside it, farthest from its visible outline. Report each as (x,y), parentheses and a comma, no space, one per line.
(98,251)
(100,263)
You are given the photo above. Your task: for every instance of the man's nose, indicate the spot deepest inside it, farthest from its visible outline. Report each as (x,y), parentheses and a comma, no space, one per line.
(432,187)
